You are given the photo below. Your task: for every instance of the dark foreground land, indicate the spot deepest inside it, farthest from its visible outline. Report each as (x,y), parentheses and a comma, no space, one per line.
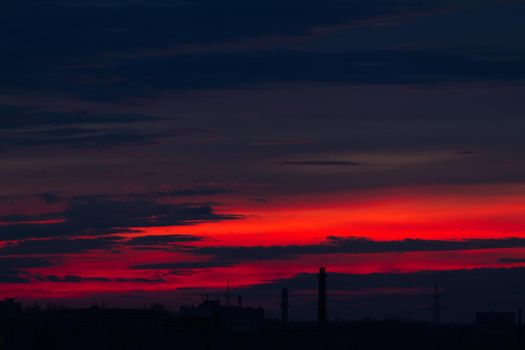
(102,329)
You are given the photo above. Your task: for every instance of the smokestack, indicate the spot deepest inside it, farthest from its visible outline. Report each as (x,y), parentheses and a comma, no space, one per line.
(284,306)
(321,307)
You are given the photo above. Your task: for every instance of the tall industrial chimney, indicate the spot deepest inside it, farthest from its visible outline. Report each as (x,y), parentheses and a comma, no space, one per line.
(284,306)
(321,307)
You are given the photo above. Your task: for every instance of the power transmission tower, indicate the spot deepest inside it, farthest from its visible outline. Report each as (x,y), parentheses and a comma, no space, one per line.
(436,307)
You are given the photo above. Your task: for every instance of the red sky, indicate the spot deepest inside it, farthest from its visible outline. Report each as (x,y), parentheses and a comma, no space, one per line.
(175,145)
(435,213)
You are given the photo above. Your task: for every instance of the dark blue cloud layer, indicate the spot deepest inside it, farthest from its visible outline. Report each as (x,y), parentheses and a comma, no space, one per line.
(102,216)
(117,49)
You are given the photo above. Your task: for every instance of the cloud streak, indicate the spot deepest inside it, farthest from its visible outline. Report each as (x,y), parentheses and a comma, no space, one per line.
(321,163)
(344,245)
(102,216)
(15,117)
(12,268)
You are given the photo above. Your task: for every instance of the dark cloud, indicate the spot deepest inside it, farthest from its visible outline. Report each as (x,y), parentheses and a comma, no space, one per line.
(63,29)
(12,276)
(100,215)
(334,163)
(81,279)
(162,240)
(140,280)
(12,269)
(511,260)
(231,255)
(24,262)
(139,213)
(49,198)
(466,153)
(183,265)
(70,279)
(343,245)
(198,191)
(14,117)
(58,246)
(130,50)
(98,138)
(28,127)
(15,218)
(150,75)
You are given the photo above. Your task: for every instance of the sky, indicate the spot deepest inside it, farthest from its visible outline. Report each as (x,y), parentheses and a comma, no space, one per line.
(157,150)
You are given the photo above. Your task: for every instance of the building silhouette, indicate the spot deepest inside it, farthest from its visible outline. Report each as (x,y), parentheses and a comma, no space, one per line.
(211,315)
